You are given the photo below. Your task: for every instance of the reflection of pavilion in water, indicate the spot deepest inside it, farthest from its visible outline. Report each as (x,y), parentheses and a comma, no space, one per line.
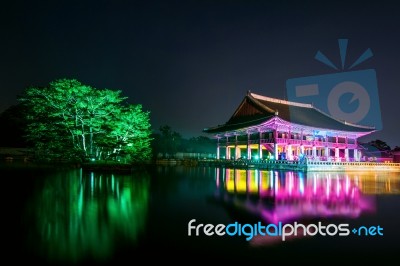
(287,196)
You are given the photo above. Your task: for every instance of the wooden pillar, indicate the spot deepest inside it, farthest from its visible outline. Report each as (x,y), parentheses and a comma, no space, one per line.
(336,154)
(327,153)
(289,154)
(356,154)
(259,146)
(276,144)
(217,148)
(337,149)
(346,149)
(236,149)
(227,150)
(237,152)
(248,147)
(314,152)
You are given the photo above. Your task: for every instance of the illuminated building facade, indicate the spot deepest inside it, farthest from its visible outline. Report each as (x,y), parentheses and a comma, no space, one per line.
(269,128)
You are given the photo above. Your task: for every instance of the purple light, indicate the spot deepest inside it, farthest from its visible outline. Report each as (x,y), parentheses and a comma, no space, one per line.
(297,198)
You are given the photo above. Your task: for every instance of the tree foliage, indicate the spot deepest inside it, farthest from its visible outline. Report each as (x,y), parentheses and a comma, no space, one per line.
(380,145)
(169,142)
(70,120)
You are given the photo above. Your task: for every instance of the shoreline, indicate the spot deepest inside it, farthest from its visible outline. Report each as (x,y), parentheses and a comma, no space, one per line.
(111,166)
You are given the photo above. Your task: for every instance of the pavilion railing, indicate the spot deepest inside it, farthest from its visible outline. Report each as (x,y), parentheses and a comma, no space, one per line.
(317,143)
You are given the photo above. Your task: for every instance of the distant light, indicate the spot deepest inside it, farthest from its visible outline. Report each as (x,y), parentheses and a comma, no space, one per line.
(256,157)
(93,159)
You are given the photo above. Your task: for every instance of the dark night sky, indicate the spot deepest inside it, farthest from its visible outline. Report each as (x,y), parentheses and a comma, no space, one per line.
(190,64)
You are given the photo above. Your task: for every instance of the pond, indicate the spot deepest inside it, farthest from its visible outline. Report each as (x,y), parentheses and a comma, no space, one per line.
(63,215)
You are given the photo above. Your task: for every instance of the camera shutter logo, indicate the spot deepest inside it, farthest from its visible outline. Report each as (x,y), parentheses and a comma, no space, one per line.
(350,96)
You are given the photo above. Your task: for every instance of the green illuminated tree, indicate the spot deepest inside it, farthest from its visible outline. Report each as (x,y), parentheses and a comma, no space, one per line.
(68,119)
(128,134)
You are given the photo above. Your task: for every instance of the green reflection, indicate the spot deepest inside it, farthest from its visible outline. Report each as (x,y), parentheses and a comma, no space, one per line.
(85,216)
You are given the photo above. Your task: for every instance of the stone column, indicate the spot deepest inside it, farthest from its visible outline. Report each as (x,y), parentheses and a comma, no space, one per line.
(314,152)
(327,153)
(336,154)
(289,152)
(237,152)
(276,144)
(236,148)
(227,150)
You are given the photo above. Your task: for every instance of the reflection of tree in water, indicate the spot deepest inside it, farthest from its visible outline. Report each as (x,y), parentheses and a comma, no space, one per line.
(86,215)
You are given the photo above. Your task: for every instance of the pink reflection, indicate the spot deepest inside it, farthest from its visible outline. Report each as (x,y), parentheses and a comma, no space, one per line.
(295,196)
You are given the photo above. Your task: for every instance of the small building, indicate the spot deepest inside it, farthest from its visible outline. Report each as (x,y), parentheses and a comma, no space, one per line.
(370,153)
(396,155)
(268,128)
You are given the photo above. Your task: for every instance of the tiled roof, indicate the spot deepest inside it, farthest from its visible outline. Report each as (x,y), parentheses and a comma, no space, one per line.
(256,109)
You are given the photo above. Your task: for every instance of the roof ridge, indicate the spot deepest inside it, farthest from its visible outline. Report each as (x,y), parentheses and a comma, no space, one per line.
(341,121)
(306,105)
(276,100)
(309,116)
(266,108)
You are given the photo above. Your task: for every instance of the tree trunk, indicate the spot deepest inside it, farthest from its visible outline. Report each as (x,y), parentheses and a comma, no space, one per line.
(91,141)
(83,140)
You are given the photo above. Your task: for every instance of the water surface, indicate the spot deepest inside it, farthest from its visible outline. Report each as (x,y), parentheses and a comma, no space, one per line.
(68,215)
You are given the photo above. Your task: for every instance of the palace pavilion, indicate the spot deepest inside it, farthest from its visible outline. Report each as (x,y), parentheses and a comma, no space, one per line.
(268,128)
